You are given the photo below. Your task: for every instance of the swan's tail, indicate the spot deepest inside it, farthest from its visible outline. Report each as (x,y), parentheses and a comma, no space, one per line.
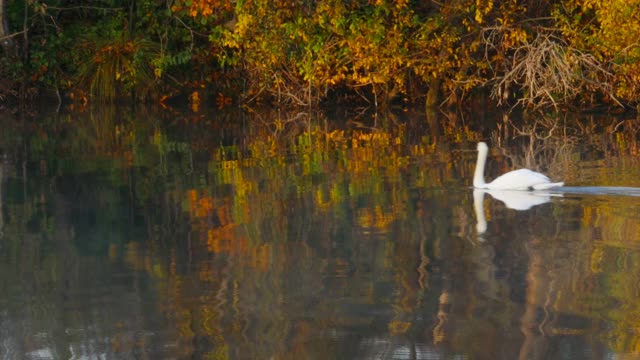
(547,186)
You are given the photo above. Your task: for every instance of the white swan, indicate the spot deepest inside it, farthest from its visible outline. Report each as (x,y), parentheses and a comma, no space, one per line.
(521,179)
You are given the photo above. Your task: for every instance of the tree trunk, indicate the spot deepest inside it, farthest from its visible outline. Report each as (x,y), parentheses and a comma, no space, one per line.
(6,40)
(433,95)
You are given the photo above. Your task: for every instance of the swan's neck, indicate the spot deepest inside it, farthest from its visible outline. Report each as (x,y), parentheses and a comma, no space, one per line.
(478,176)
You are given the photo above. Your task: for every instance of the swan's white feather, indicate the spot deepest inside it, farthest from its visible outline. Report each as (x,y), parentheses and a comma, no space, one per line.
(522,179)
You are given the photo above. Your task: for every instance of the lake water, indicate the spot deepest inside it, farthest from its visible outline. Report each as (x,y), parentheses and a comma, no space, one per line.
(168,235)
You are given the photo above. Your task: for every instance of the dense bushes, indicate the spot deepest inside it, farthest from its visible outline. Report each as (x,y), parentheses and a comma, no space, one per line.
(302,51)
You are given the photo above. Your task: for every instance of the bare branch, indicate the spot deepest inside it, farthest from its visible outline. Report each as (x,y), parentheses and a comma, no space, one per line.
(546,70)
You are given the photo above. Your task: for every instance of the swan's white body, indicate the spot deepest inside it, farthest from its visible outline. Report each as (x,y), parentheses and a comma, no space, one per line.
(522,179)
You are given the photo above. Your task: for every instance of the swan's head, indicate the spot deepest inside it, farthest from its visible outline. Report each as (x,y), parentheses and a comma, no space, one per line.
(482,146)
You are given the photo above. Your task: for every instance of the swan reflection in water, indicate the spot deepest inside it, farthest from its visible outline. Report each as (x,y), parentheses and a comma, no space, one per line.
(525,200)
(513,199)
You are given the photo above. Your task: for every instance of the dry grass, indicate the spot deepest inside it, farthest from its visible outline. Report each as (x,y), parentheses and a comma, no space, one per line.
(116,67)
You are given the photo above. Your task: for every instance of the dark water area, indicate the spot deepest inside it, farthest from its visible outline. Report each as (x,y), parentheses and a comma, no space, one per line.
(268,235)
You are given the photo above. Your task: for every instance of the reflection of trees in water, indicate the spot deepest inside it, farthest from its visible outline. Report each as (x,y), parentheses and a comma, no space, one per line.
(54,274)
(564,277)
(565,147)
(305,242)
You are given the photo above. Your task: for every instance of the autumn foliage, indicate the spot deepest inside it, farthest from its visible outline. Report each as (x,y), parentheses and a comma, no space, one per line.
(301,52)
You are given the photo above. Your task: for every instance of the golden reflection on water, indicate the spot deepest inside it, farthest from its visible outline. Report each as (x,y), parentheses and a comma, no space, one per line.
(325,243)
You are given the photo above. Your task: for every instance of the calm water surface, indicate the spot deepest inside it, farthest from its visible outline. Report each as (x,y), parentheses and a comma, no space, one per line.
(148,235)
